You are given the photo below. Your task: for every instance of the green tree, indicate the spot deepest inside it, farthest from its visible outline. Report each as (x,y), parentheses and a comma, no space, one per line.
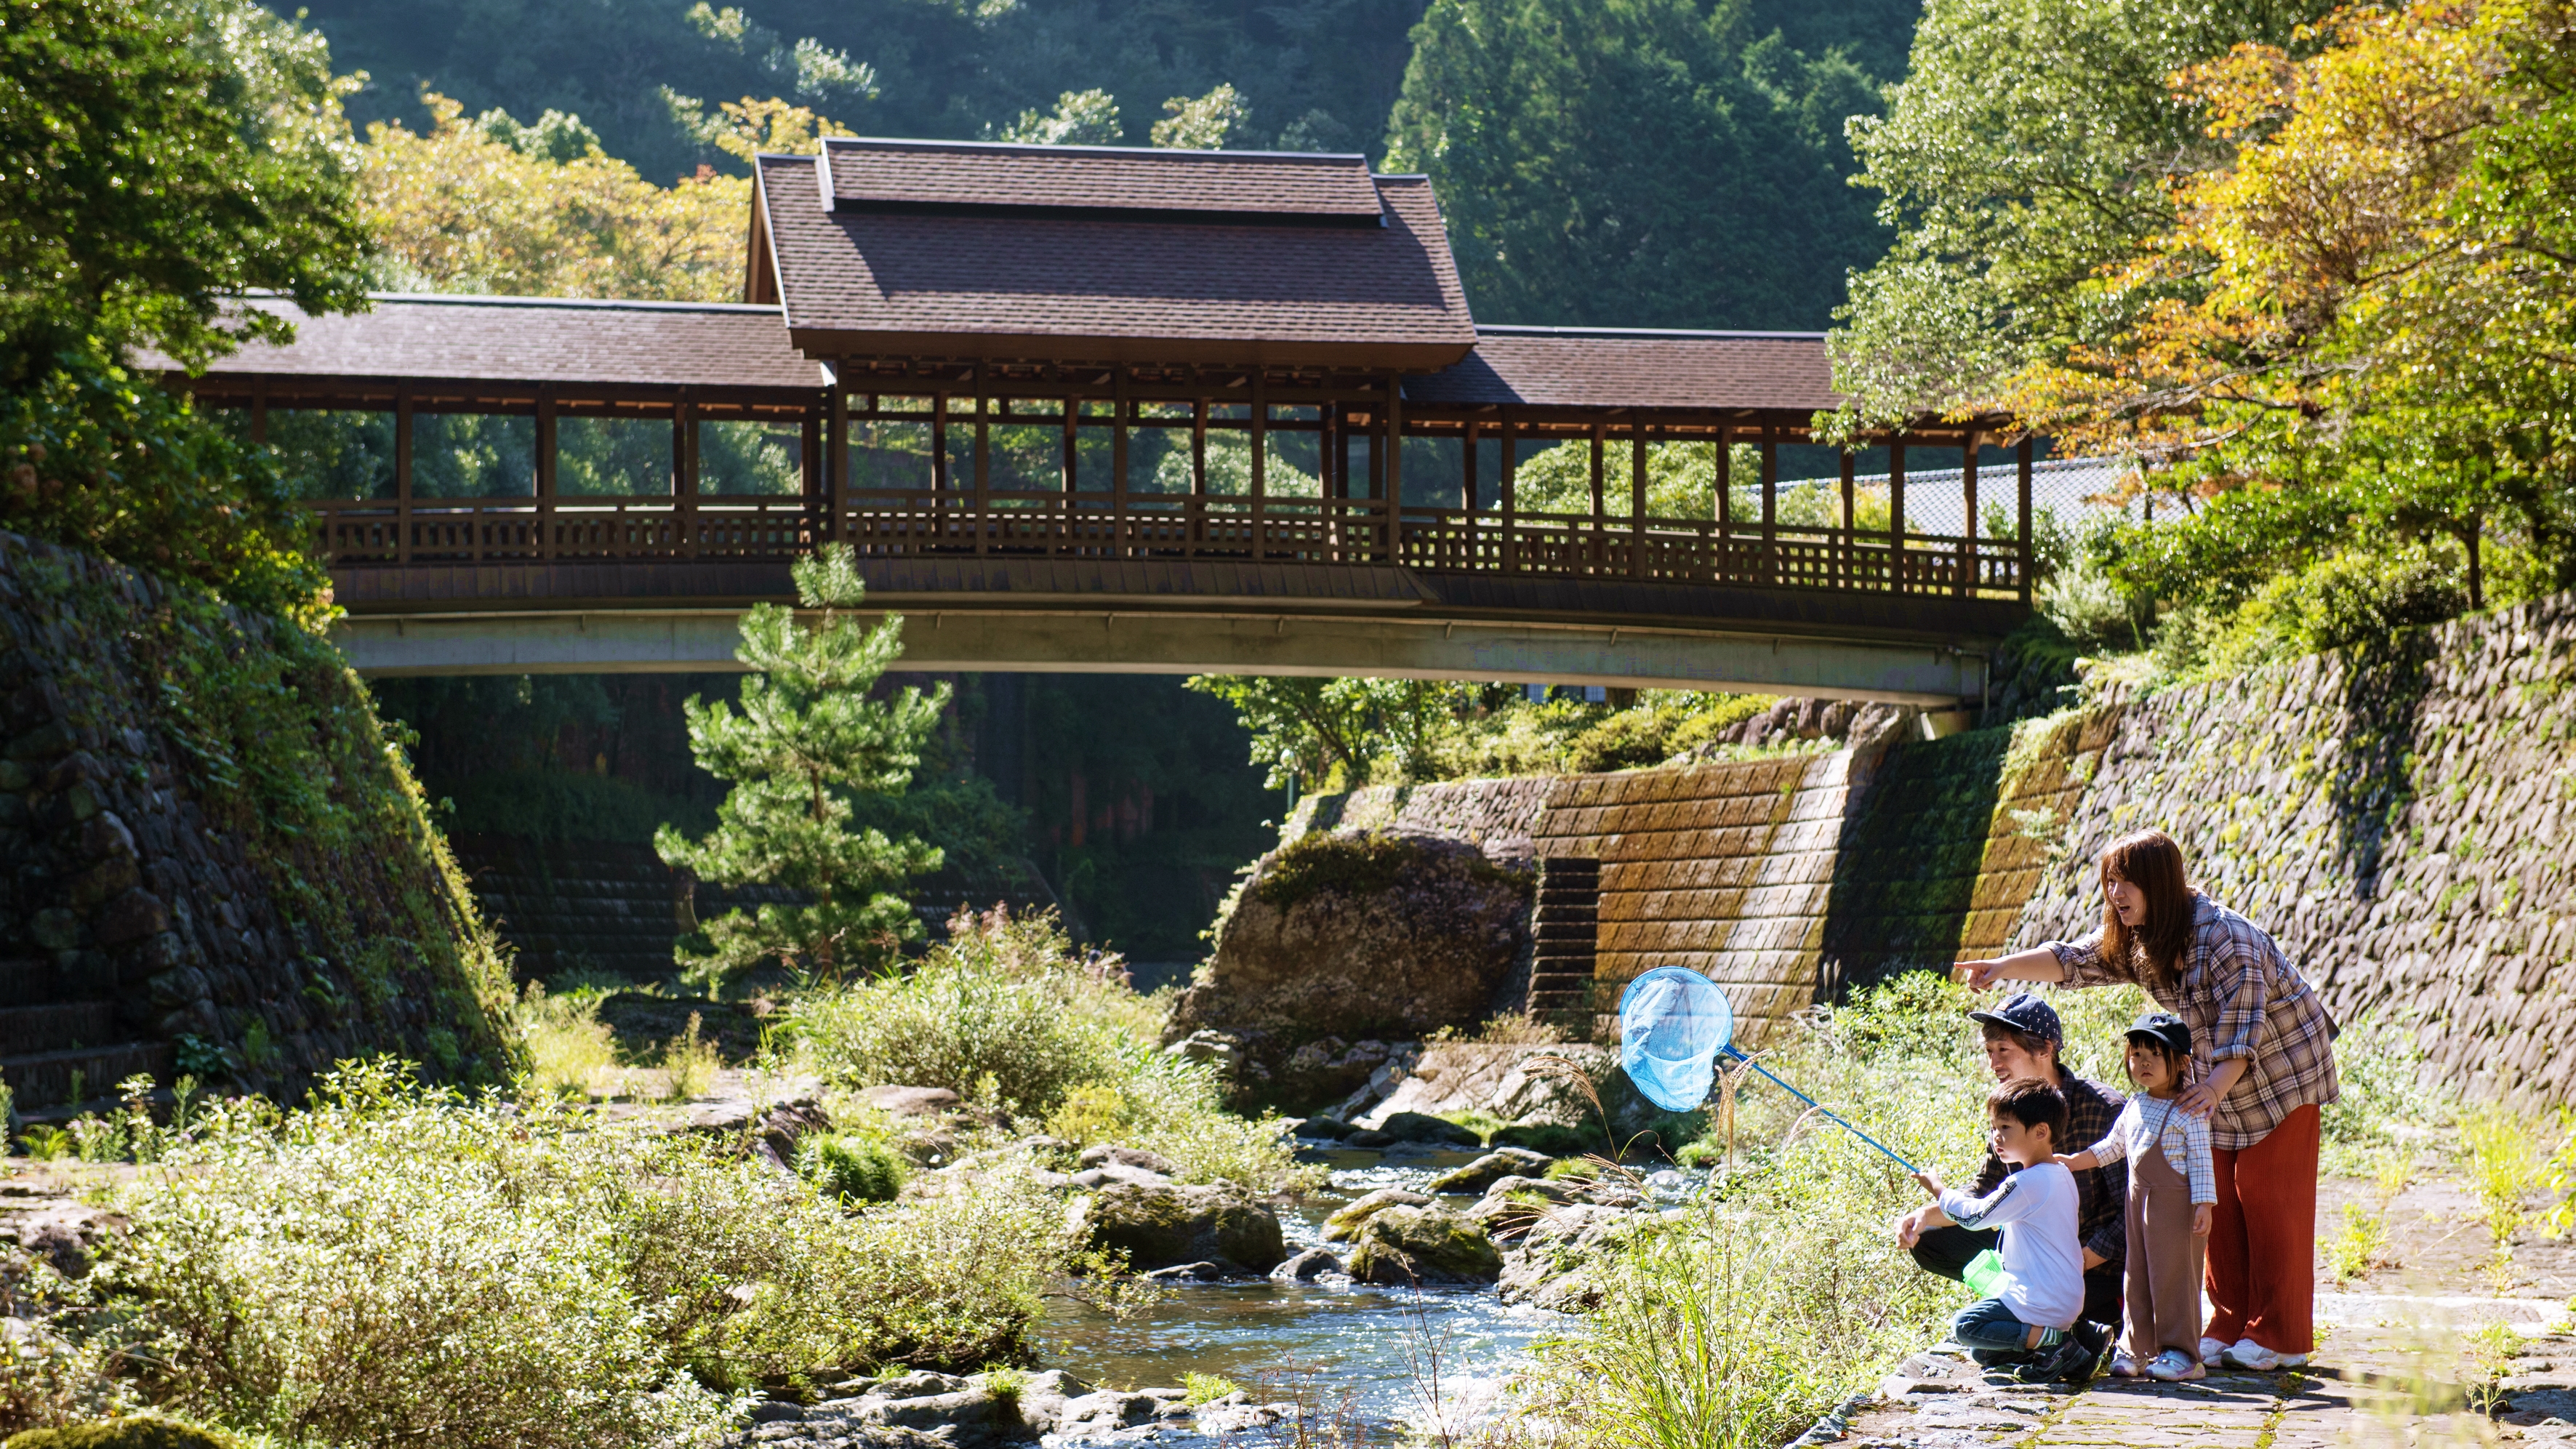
(1303,729)
(806,738)
(2031,143)
(1626,161)
(160,158)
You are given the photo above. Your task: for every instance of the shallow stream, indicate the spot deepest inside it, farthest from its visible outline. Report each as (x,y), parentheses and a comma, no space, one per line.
(1371,1352)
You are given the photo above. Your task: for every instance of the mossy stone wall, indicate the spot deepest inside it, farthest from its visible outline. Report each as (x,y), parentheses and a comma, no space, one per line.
(2397,816)
(217,863)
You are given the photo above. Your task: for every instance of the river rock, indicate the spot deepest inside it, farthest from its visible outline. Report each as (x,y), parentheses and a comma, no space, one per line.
(1345,1221)
(1102,1154)
(1165,1225)
(1423,1128)
(1401,1245)
(1307,1266)
(1553,1267)
(897,1101)
(1356,936)
(923,1410)
(1529,1084)
(1491,1168)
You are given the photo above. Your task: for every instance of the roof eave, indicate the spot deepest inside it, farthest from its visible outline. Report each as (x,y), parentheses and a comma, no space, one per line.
(1401,357)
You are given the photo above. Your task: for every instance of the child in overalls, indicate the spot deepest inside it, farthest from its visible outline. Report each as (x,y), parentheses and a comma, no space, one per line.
(2172,1191)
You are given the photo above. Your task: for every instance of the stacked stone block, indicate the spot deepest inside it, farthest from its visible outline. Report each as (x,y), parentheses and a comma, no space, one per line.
(2397,816)
(138,937)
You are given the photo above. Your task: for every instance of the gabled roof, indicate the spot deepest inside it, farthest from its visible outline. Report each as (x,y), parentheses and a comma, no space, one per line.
(1602,368)
(869,174)
(530,340)
(1146,270)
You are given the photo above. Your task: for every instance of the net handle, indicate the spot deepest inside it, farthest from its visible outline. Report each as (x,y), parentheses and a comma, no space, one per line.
(1737,1053)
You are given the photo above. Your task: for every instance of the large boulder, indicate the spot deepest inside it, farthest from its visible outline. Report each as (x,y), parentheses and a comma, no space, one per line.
(1531,1083)
(1345,1221)
(1164,1225)
(1354,937)
(1400,1245)
(1491,1168)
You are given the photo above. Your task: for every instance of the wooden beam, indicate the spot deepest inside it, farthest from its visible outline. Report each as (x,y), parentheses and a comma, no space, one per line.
(1511,505)
(1968,532)
(1119,407)
(402,475)
(1637,501)
(1851,520)
(545,482)
(2021,467)
(1896,513)
(836,458)
(1770,504)
(983,520)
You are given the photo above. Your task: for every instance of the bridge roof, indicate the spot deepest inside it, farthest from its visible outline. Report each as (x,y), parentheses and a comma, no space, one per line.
(1602,368)
(1082,254)
(525,340)
(1157,185)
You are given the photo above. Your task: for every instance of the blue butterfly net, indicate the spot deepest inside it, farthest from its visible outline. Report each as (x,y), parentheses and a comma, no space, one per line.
(1672,1024)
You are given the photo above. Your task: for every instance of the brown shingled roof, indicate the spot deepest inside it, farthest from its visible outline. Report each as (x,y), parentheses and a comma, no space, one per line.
(1570,367)
(530,339)
(868,174)
(1026,285)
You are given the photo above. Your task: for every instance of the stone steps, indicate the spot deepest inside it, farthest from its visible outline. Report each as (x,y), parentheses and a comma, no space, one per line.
(26,1030)
(1565,927)
(42,1079)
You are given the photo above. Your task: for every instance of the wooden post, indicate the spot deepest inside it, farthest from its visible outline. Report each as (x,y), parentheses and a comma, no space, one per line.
(1198,446)
(545,470)
(1637,499)
(1260,443)
(2021,466)
(1592,549)
(983,524)
(402,474)
(836,461)
(1725,505)
(1896,513)
(1849,565)
(684,470)
(1968,535)
(1061,528)
(1118,463)
(1390,525)
(1770,503)
(1511,505)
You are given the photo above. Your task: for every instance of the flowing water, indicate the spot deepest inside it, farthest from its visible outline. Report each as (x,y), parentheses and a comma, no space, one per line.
(1376,1352)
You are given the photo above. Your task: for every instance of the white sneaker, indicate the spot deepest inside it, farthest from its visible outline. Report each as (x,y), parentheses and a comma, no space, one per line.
(2245,1353)
(2124,1365)
(2175,1366)
(2211,1350)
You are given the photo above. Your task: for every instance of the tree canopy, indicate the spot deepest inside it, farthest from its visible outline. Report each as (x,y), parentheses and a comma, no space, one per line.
(1636,162)
(159,158)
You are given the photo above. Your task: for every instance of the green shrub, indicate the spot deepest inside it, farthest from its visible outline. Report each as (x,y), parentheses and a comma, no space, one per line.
(550,1281)
(851,1168)
(141,1432)
(973,1017)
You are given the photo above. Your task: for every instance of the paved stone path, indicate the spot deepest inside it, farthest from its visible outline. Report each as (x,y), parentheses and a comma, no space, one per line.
(2401,1357)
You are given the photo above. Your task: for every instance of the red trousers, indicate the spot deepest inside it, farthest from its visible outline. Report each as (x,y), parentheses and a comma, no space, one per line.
(2263,1239)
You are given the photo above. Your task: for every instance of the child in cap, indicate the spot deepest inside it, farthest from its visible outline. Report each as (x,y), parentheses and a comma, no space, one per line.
(2171,1192)
(2030,1320)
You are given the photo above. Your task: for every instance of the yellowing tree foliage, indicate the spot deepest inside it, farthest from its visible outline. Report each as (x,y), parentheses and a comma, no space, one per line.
(2373,300)
(487,205)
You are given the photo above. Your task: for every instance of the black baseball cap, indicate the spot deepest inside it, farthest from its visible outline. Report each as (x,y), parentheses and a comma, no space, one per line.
(2027,1014)
(2165,1029)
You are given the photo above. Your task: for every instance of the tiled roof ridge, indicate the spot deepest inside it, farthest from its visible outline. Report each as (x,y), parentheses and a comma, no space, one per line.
(1650,334)
(494,299)
(1159,153)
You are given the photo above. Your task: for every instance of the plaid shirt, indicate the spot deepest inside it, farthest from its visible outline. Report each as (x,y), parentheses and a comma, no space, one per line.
(2100,1194)
(2242,998)
(2183,1138)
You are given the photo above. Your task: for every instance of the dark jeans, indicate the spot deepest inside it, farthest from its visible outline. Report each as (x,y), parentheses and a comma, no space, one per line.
(1988,1329)
(1946,1251)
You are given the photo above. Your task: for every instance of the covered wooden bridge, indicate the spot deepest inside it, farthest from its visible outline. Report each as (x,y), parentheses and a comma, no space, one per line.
(1083,408)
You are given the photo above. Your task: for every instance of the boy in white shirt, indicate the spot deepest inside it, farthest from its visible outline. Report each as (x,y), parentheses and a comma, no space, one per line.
(2029,1322)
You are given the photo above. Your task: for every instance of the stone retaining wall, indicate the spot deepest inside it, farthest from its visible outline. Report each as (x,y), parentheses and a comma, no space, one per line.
(180,898)
(2399,817)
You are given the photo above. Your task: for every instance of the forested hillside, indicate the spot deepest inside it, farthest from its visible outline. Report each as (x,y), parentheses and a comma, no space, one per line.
(1636,162)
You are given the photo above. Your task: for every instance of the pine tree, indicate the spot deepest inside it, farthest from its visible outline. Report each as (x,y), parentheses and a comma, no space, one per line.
(806,737)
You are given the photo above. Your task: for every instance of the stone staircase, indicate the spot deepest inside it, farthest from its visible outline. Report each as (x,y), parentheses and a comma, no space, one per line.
(63,1044)
(1564,931)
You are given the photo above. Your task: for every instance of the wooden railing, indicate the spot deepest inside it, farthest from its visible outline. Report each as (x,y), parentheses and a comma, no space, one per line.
(933,524)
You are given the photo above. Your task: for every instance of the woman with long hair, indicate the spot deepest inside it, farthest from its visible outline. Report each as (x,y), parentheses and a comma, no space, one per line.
(2263,1050)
